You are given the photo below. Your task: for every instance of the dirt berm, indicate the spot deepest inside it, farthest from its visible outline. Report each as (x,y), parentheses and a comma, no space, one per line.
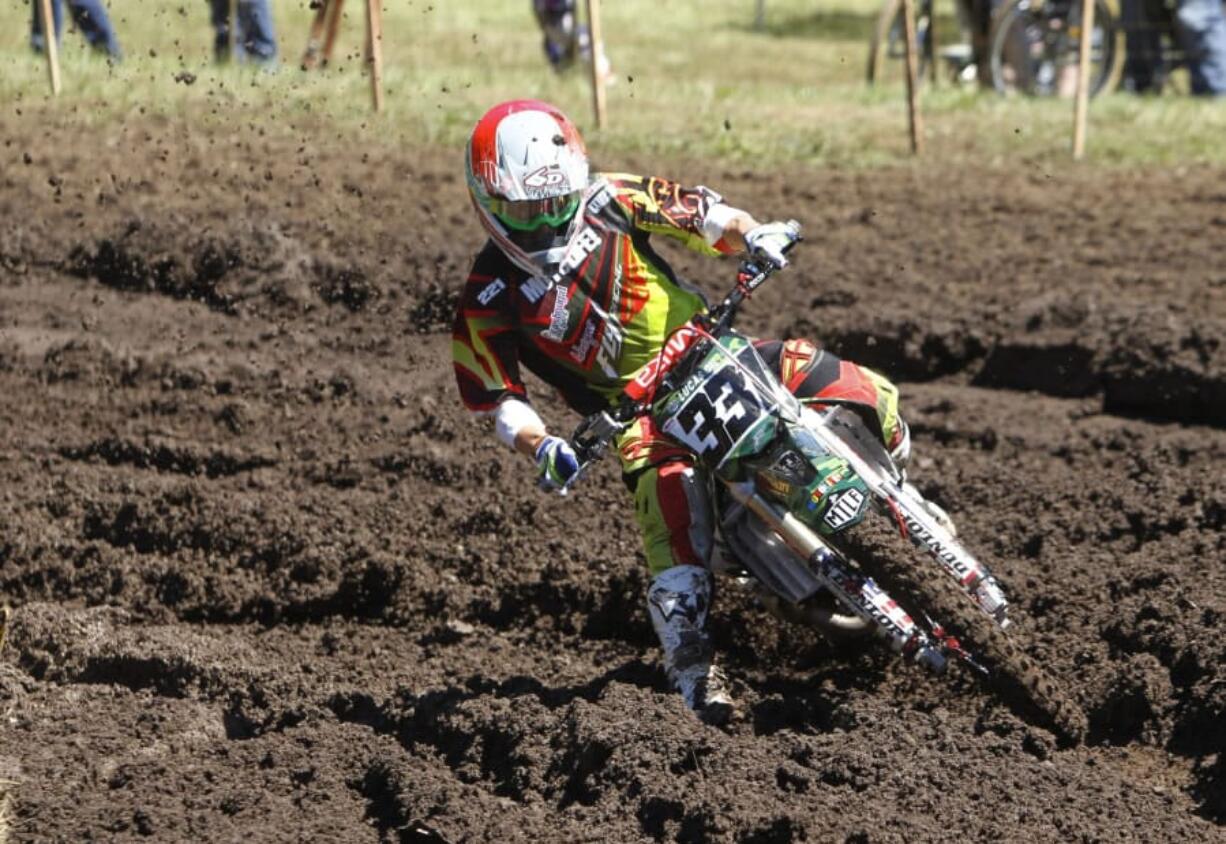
(268,581)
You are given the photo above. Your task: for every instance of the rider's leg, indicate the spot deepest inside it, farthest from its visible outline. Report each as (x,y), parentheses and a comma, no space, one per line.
(673,509)
(812,374)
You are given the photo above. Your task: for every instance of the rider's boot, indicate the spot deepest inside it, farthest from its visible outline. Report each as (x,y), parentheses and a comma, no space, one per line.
(677,602)
(901,455)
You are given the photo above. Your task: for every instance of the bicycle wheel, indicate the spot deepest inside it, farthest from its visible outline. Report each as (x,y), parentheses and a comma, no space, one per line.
(1036,48)
(887,51)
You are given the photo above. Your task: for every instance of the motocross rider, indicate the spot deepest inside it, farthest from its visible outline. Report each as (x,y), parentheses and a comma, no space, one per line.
(569,287)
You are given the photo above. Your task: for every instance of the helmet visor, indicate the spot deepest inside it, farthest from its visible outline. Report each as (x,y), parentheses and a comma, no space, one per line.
(529,214)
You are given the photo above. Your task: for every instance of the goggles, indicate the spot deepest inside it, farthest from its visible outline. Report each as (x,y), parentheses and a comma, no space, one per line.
(528,214)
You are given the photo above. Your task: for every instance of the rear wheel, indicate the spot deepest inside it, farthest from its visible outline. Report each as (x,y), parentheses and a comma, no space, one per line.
(906,573)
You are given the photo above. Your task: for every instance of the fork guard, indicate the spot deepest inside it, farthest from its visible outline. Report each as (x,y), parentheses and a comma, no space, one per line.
(814,565)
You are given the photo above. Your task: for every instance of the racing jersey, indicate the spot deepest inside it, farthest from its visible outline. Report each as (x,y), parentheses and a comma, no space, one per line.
(587,323)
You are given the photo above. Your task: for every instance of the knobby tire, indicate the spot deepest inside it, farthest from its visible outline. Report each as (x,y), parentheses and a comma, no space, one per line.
(907,572)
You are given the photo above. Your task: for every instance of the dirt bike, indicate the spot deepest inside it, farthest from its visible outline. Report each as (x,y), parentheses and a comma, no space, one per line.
(812,506)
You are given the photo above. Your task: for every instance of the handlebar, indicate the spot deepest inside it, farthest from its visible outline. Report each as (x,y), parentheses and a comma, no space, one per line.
(593,435)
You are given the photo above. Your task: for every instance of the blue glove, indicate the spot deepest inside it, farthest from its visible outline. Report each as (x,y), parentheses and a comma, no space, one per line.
(771,240)
(555,463)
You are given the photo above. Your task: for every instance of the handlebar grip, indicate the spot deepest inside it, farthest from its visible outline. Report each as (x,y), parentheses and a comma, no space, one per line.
(794,225)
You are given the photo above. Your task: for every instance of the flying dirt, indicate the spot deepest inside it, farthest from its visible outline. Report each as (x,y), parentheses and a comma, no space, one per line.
(265,573)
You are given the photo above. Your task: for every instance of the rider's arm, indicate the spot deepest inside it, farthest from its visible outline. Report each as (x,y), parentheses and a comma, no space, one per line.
(484,348)
(733,224)
(519,426)
(698,217)
(486,356)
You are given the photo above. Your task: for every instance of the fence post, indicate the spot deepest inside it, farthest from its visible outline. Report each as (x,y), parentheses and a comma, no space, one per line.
(50,47)
(1083,81)
(597,50)
(914,121)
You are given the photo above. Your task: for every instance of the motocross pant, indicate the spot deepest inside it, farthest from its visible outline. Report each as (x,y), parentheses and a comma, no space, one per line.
(672,505)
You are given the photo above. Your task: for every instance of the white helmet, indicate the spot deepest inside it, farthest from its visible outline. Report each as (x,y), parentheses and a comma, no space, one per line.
(526,167)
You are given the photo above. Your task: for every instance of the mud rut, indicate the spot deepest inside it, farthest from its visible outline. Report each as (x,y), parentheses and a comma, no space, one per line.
(269,582)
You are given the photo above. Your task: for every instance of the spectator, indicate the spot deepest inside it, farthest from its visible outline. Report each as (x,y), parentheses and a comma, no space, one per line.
(254,38)
(89,17)
(565,39)
(1199,28)
(564,36)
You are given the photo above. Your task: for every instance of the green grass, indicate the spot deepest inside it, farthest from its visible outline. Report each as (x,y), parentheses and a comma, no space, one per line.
(692,79)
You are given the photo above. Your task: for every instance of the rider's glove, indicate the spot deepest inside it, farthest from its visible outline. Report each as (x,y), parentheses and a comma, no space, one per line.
(555,463)
(770,240)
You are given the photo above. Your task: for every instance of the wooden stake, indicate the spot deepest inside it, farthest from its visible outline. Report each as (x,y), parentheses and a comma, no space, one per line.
(333,8)
(374,51)
(597,49)
(233,30)
(933,46)
(1082,106)
(913,115)
(310,56)
(50,47)
(321,42)
(759,15)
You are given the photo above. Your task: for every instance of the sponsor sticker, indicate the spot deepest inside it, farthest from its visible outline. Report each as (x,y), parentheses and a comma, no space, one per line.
(789,464)
(559,319)
(772,484)
(534,288)
(827,483)
(545,177)
(598,202)
(673,348)
(491,290)
(579,353)
(844,508)
(584,243)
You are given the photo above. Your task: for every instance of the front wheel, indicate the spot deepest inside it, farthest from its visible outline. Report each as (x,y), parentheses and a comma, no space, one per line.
(1035,48)
(920,584)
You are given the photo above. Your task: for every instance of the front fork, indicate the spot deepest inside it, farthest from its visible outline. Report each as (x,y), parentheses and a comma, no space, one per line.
(916,523)
(910,512)
(858,593)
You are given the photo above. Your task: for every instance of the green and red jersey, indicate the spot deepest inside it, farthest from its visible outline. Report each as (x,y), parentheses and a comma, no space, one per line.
(588,322)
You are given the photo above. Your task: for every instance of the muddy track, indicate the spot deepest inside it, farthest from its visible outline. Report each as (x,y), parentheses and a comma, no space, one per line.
(265,574)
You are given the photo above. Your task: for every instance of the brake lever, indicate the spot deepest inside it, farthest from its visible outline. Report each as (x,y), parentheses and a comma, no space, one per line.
(589,441)
(760,262)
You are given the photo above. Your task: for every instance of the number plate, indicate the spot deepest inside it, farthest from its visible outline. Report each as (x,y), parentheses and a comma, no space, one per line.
(718,408)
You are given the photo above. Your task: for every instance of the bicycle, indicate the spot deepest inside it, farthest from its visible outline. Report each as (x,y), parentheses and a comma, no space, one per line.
(1035,47)
(887,49)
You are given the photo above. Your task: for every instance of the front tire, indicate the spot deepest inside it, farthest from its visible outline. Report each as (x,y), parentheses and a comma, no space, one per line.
(917,581)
